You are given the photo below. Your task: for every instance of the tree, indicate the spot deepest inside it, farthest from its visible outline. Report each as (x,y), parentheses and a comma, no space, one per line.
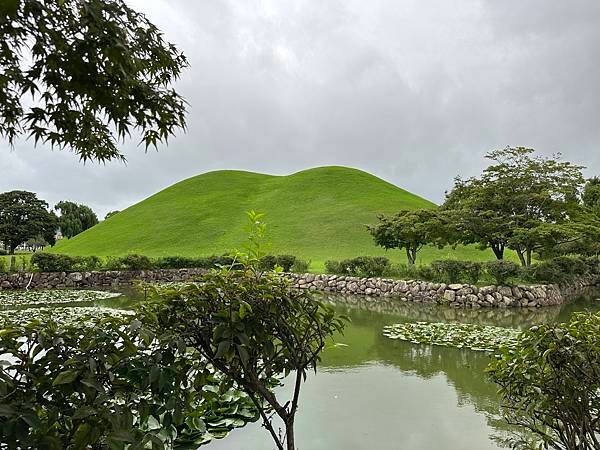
(410,230)
(522,202)
(591,195)
(110,214)
(22,217)
(550,384)
(74,218)
(96,70)
(252,327)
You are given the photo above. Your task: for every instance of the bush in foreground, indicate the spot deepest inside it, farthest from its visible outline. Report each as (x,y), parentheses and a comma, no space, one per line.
(501,271)
(550,384)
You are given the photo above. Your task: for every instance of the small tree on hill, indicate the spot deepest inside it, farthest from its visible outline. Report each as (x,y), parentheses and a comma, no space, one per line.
(75,218)
(410,230)
(22,217)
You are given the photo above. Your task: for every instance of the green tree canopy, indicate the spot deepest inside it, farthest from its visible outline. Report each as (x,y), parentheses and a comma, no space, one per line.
(22,217)
(591,195)
(410,230)
(522,202)
(96,70)
(74,218)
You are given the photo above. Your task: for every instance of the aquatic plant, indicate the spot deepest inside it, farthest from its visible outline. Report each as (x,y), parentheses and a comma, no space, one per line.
(459,335)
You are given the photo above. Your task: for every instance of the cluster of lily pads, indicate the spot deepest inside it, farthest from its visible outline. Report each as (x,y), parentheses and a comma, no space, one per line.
(51,297)
(61,315)
(459,335)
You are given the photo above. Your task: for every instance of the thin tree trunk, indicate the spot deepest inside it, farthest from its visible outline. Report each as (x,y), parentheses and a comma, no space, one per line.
(528,257)
(498,250)
(521,257)
(289,434)
(409,256)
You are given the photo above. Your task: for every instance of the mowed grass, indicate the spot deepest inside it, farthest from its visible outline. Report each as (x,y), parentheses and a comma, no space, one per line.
(316,214)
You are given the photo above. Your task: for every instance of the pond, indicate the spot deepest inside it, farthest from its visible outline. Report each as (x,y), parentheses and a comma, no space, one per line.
(379,393)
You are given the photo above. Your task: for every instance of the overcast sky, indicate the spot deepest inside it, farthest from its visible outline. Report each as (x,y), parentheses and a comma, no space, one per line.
(412,91)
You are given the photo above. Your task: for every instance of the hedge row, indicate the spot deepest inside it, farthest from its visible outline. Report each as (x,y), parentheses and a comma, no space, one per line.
(558,270)
(49,262)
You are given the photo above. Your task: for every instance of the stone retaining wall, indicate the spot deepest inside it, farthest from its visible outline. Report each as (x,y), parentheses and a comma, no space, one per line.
(57,280)
(456,295)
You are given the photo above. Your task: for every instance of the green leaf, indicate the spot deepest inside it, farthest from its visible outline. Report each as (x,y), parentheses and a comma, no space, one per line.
(66,377)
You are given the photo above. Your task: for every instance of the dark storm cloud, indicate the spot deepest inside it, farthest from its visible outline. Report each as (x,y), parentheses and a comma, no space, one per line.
(415,92)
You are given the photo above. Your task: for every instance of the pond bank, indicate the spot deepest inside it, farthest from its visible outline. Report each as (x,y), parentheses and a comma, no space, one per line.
(455,295)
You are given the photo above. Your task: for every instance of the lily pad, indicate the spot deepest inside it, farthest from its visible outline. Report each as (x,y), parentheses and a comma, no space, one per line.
(459,335)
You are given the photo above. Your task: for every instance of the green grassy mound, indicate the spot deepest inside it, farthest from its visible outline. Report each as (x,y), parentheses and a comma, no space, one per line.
(316,214)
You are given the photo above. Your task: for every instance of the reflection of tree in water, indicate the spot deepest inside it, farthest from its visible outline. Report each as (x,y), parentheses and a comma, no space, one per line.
(464,369)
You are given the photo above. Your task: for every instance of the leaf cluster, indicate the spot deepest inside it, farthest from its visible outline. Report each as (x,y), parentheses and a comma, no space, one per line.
(84,74)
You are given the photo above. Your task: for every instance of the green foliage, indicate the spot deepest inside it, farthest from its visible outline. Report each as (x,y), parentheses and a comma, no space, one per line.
(251,326)
(74,218)
(550,384)
(50,262)
(269,262)
(300,266)
(3,266)
(472,271)
(561,269)
(410,230)
(522,202)
(110,214)
(591,195)
(501,271)
(97,72)
(130,262)
(23,216)
(333,267)
(361,266)
(109,384)
(449,269)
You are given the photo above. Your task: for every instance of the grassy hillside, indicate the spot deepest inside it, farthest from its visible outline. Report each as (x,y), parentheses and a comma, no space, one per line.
(316,214)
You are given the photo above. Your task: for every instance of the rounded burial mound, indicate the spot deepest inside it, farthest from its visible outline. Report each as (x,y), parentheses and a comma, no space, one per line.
(315,214)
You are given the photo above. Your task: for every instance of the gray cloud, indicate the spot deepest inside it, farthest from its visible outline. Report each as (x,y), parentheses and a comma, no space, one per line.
(415,92)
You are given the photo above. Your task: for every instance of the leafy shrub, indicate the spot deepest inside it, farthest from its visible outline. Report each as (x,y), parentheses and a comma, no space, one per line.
(424,273)
(130,262)
(85,263)
(501,270)
(361,266)
(550,384)
(472,271)
(334,267)
(3,265)
(182,262)
(300,266)
(49,262)
(286,262)
(559,270)
(267,262)
(449,269)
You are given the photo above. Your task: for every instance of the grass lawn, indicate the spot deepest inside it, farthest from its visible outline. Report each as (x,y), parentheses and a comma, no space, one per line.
(317,214)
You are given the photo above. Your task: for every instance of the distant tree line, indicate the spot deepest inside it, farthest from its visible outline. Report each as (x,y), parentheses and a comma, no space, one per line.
(530,204)
(27,220)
